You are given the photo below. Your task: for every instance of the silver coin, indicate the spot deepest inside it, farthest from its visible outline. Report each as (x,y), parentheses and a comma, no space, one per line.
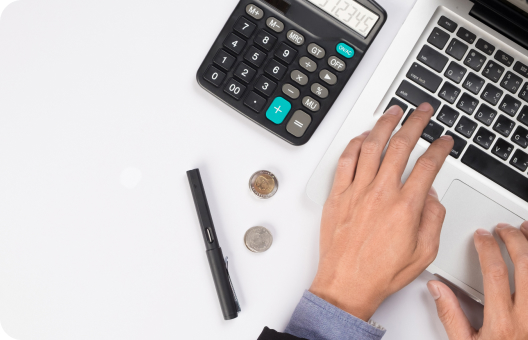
(258,239)
(263,184)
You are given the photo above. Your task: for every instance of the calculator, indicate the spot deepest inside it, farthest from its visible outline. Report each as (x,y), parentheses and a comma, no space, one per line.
(283,63)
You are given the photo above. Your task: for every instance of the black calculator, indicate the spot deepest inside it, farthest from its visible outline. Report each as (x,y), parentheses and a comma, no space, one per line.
(283,63)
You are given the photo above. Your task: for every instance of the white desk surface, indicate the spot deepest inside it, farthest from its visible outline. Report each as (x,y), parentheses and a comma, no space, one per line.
(100,118)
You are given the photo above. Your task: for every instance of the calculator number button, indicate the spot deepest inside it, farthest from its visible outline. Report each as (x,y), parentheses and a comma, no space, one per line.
(214,76)
(328,77)
(255,56)
(316,50)
(255,102)
(265,86)
(265,40)
(286,53)
(308,64)
(245,27)
(337,64)
(224,60)
(299,77)
(291,91)
(311,104)
(245,73)
(234,89)
(275,24)
(295,37)
(276,69)
(319,90)
(299,123)
(234,43)
(254,11)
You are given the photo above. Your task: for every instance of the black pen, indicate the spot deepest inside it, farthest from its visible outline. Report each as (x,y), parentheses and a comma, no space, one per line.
(224,287)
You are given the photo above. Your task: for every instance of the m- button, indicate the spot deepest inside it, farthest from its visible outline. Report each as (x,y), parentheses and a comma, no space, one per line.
(337,64)
(275,24)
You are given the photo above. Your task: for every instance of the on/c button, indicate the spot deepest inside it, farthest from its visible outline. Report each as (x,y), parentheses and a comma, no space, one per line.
(345,50)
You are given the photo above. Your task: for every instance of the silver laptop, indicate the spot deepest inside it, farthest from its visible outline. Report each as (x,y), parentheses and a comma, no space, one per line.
(469,59)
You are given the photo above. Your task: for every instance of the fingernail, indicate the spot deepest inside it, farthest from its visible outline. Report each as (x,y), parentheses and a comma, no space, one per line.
(433,192)
(446,137)
(366,133)
(394,110)
(433,290)
(483,232)
(424,107)
(502,225)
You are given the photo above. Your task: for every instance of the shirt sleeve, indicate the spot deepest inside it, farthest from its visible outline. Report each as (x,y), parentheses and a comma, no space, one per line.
(316,319)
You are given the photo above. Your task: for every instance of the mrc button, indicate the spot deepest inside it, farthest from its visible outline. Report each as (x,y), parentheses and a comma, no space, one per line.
(345,50)
(295,37)
(337,64)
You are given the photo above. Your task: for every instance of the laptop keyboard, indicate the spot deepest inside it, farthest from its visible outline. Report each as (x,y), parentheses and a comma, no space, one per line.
(480,97)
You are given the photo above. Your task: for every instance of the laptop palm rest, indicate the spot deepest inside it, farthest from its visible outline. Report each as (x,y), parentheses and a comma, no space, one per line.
(467,211)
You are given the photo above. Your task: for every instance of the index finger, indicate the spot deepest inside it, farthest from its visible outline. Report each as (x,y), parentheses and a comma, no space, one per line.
(426,168)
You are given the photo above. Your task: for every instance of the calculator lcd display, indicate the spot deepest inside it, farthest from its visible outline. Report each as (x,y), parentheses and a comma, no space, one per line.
(350,13)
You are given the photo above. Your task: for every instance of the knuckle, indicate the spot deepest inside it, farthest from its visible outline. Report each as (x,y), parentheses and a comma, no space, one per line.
(345,161)
(437,210)
(370,147)
(427,163)
(496,271)
(400,143)
(447,316)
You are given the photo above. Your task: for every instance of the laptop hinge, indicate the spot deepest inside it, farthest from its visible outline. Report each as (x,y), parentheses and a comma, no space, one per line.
(503,18)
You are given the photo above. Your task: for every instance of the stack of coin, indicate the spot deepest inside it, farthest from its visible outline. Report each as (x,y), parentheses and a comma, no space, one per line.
(263,184)
(258,239)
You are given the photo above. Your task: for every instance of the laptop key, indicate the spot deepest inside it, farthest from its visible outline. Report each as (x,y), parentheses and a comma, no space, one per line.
(484,138)
(520,137)
(485,46)
(520,160)
(459,146)
(491,94)
(495,170)
(502,149)
(438,38)
(449,92)
(521,69)
(423,77)
(524,93)
(510,105)
(396,101)
(432,131)
(448,116)
(504,125)
(485,114)
(473,83)
(457,49)
(493,71)
(523,116)
(466,127)
(415,96)
(511,82)
(504,58)
(432,58)
(466,35)
(467,104)
(448,24)
(475,60)
(455,72)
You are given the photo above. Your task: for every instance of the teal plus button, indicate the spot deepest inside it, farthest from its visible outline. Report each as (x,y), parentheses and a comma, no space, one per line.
(345,50)
(278,110)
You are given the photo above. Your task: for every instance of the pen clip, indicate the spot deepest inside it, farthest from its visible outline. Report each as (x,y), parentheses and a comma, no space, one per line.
(226,259)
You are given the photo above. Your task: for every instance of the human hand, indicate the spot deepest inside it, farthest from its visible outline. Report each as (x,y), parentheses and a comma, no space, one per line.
(505,315)
(377,234)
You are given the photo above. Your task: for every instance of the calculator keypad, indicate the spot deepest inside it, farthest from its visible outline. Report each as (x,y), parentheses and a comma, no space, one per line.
(283,78)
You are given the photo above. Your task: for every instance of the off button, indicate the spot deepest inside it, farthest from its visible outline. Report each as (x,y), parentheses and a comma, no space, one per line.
(345,50)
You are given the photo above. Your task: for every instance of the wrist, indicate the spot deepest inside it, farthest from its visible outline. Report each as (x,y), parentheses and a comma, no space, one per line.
(357,302)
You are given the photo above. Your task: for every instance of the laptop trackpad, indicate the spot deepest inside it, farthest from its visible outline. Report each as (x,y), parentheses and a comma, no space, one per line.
(467,211)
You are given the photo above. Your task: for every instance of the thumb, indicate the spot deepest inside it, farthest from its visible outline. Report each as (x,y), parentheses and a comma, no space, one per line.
(452,316)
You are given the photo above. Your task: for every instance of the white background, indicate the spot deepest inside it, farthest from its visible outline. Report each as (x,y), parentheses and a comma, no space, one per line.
(100,117)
